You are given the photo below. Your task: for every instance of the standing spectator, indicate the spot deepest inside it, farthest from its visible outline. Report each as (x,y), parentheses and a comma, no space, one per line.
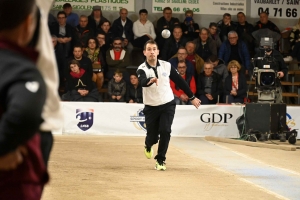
(134,91)
(96,19)
(244,31)
(159,101)
(181,56)
(205,46)
(72,18)
(295,41)
(143,30)
(213,34)
(189,27)
(109,35)
(209,85)
(235,49)
(235,84)
(218,66)
(225,26)
(99,66)
(83,31)
(80,85)
(165,22)
(64,33)
(194,58)
(23,94)
(117,88)
(173,43)
(117,59)
(179,96)
(122,27)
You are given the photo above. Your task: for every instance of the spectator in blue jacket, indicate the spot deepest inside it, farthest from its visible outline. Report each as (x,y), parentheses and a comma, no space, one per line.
(235,49)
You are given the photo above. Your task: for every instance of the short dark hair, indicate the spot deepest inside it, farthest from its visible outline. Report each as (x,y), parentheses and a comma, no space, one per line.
(61,13)
(226,15)
(264,13)
(212,58)
(104,21)
(167,8)
(143,11)
(181,61)
(9,21)
(181,47)
(150,42)
(117,38)
(213,24)
(77,46)
(67,5)
(74,62)
(240,13)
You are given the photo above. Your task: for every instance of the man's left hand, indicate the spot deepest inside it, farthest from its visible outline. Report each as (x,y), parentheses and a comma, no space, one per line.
(280,74)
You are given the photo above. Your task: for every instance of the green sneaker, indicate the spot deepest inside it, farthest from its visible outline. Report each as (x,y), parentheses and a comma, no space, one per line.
(160,165)
(148,152)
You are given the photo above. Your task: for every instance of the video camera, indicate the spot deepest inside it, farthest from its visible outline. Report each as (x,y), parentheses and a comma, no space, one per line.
(264,75)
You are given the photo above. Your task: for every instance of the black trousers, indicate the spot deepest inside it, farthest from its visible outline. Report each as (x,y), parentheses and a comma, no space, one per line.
(158,121)
(46,145)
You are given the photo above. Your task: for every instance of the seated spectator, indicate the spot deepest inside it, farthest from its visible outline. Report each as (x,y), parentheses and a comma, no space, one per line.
(218,66)
(122,27)
(85,62)
(105,28)
(80,85)
(295,41)
(72,18)
(194,58)
(64,33)
(189,27)
(117,59)
(209,85)
(134,90)
(143,30)
(60,60)
(165,22)
(225,26)
(179,96)
(235,49)
(83,31)
(205,46)
(96,19)
(99,66)
(117,88)
(102,44)
(235,88)
(173,43)
(244,31)
(213,34)
(181,56)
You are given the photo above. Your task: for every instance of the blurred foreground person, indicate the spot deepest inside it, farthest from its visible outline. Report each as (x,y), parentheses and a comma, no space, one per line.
(23,93)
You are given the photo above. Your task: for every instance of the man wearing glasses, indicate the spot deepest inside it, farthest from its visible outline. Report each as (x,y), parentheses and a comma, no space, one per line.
(235,49)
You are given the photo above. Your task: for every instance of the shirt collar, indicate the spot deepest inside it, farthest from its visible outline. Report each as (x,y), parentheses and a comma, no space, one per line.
(149,66)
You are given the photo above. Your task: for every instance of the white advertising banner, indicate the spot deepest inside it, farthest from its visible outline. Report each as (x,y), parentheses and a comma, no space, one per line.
(210,7)
(128,119)
(106,5)
(288,9)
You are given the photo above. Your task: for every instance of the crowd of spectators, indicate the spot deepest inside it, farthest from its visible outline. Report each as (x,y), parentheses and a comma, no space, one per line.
(214,60)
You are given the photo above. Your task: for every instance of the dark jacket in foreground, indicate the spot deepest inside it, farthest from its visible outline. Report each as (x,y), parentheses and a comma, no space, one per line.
(135,94)
(242,88)
(23,94)
(216,86)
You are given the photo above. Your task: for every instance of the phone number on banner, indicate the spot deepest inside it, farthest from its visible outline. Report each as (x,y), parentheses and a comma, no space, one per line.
(276,8)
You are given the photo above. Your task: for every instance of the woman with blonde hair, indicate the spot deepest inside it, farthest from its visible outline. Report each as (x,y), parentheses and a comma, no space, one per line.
(235,85)
(295,41)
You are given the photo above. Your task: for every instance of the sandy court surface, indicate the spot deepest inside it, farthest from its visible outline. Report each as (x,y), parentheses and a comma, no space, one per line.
(112,168)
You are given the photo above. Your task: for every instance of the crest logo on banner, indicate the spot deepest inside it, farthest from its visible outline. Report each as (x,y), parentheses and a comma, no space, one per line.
(85,118)
(138,120)
(290,122)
